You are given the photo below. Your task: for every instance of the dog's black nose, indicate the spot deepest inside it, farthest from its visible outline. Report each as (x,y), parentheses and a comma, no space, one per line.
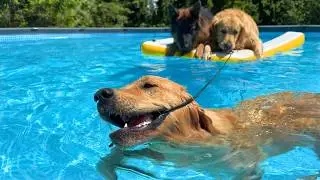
(102,94)
(227,46)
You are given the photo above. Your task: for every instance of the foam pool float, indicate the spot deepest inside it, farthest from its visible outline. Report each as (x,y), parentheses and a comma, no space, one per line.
(282,43)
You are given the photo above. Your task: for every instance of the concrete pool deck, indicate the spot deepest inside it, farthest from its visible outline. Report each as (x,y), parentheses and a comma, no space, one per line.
(35,30)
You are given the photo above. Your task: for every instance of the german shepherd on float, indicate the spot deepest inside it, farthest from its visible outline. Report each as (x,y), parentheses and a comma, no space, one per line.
(189,27)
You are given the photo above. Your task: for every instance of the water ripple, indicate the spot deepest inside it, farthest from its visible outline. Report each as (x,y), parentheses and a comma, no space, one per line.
(49,126)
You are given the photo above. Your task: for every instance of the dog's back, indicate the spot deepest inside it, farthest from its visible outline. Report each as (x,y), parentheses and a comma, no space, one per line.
(295,112)
(189,26)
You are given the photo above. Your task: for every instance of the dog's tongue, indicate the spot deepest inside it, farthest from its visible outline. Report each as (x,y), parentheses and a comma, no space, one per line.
(138,120)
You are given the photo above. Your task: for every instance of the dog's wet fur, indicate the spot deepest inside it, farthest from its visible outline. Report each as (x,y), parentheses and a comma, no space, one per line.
(189,27)
(136,109)
(283,120)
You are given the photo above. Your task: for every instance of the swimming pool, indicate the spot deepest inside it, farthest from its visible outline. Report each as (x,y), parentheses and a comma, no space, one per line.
(49,126)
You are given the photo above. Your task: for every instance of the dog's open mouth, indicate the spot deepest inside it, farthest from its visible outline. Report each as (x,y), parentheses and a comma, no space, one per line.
(137,121)
(135,128)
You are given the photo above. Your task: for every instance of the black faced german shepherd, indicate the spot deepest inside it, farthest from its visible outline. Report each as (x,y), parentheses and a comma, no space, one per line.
(189,27)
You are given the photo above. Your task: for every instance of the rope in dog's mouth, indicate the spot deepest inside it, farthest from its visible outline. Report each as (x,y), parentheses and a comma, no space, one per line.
(193,98)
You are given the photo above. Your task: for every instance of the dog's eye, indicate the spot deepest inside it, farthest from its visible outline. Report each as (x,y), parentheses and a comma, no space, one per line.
(224,31)
(235,32)
(148,85)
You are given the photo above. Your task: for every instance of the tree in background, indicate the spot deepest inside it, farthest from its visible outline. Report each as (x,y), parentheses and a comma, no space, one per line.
(108,13)
(312,12)
(11,14)
(144,13)
(141,12)
(63,13)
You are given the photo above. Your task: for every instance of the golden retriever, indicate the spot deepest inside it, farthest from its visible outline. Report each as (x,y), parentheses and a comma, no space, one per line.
(137,108)
(233,29)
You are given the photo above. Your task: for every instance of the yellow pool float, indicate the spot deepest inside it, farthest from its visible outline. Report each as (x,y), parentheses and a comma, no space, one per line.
(284,42)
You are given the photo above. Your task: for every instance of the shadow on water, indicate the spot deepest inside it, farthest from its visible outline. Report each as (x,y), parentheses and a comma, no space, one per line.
(164,160)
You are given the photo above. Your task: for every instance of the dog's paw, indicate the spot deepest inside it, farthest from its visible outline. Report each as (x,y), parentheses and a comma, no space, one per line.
(200,51)
(207,53)
(258,51)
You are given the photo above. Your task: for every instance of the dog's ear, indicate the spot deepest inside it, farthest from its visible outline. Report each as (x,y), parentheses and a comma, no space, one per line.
(242,37)
(213,33)
(173,12)
(206,122)
(213,25)
(195,9)
(243,29)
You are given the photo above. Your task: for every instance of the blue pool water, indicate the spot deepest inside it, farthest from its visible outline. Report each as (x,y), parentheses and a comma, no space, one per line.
(49,126)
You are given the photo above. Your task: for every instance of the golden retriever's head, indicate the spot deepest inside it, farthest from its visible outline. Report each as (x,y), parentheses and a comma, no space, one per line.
(226,32)
(136,109)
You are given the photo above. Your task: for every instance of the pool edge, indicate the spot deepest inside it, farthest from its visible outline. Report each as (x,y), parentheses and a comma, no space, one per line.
(36,30)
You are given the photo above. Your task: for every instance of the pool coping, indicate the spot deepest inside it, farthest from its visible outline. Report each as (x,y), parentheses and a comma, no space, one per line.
(36,30)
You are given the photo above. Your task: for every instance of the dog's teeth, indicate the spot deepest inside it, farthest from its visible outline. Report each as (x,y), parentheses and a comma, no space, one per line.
(126,125)
(143,124)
